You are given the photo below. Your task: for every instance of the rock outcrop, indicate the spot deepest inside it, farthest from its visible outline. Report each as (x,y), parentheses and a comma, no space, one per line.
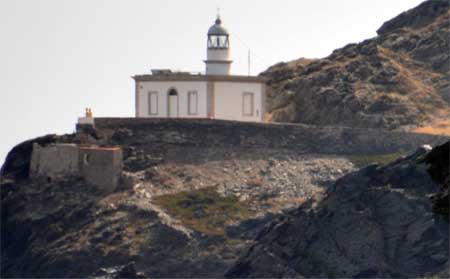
(116,272)
(173,215)
(376,222)
(439,171)
(398,79)
(17,163)
(193,195)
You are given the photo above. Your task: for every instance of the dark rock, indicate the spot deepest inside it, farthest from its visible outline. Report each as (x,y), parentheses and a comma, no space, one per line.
(377,222)
(198,212)
(17,163)
(438,167)
(420,16)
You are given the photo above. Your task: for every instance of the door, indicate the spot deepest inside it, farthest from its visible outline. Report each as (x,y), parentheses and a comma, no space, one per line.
(173,103)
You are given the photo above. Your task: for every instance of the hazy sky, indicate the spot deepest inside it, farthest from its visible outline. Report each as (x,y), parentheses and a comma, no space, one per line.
(59,56)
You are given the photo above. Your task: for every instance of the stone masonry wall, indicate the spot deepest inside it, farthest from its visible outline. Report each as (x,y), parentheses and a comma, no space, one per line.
(54,161)
(203,133)
(101,167)
(98,166)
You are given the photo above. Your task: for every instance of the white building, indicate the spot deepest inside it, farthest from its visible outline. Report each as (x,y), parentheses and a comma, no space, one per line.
(216,95)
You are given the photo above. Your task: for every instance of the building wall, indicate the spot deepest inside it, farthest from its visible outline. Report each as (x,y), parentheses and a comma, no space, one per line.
(215,99)
(228,100)
(54,161)
(162,88)
(218,68)
(218,54)
(101,167)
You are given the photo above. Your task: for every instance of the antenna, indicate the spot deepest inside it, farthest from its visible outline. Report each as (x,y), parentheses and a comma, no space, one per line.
(249,62)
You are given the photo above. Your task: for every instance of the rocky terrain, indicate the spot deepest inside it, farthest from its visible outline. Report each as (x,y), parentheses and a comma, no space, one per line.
(398,79)
(176,217)
(193,196)
(209,198)
(377,222)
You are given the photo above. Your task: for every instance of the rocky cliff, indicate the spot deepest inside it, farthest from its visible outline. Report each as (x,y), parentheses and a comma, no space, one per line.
(201,198)
(193,196)
(183,209)
(376,222)
(400,78)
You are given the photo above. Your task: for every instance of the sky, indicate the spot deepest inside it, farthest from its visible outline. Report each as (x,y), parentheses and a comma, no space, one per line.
(59,56)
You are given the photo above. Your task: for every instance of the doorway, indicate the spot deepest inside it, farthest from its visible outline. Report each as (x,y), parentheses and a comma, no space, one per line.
(172,103)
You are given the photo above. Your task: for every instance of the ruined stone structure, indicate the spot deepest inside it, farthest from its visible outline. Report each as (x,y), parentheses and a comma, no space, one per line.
(101,166)
(98,166)
(54,161)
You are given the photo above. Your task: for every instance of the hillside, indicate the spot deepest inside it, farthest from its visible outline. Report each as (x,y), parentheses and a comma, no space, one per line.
(377,222)
(350,192)
(398,79)
(193,195)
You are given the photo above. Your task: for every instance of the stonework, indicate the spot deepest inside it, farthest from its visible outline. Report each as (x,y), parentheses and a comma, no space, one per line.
(161,135)
(100,167)
(54,161)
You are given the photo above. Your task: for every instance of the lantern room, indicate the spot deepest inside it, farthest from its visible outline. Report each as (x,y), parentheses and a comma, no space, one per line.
(218,50)
(218,36)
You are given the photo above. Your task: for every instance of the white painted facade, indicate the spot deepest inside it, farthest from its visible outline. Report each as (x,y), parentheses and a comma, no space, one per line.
(218,61)
(179,107)
(216,95)
(229,101)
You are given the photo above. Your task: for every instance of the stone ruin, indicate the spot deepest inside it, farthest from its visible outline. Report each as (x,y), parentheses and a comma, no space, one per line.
(98,166)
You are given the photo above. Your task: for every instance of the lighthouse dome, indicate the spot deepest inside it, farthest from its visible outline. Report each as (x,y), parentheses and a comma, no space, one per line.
(217,28)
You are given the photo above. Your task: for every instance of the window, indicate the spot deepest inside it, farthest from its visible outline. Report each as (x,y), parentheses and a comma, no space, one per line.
(218,41)
(152,103)
(247,104)
(192,102)
(86,159)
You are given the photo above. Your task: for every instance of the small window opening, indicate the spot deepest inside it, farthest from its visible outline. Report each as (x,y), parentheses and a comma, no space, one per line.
(86,159)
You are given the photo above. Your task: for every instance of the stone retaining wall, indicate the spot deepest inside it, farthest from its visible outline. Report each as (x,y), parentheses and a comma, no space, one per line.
(220,133)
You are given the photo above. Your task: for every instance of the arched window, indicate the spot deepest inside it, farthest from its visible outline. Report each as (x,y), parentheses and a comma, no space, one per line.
(172,103)
(173,92)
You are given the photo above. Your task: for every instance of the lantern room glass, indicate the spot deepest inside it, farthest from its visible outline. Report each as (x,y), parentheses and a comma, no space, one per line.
(218,41)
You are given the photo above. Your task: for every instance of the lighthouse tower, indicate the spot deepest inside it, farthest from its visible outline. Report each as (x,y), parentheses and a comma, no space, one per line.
(218,50)
(214,95)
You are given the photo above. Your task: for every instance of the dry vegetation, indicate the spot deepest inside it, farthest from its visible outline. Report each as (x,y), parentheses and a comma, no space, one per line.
(204,210)
(440,127)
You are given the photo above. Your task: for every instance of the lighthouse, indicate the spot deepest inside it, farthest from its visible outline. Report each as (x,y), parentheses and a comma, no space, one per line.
(218,50)
(217,94)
